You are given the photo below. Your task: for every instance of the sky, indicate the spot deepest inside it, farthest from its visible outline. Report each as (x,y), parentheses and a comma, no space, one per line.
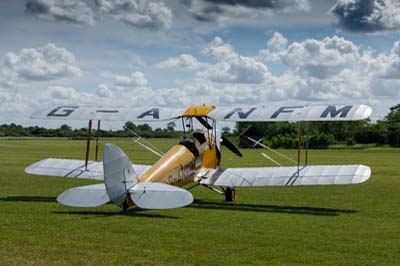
(176,53)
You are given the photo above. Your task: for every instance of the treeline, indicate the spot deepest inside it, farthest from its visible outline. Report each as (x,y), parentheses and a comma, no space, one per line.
(129,130)
(276,135)
(323,134)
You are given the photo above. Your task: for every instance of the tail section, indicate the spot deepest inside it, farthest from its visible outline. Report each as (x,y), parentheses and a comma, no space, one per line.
(122,187)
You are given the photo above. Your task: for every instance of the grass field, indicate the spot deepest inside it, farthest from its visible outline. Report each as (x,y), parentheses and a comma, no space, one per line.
(326,225)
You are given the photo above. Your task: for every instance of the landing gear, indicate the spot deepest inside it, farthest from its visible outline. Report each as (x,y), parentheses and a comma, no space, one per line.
(230,194)
(125,206)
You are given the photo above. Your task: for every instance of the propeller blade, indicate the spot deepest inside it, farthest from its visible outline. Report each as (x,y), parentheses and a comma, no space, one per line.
(230,146)
(204,122)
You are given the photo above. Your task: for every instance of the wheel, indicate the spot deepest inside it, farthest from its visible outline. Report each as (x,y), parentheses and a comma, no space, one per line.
(230,194)
(125,206)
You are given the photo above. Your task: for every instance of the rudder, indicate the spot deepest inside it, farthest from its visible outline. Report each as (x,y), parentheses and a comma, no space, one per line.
(119,174)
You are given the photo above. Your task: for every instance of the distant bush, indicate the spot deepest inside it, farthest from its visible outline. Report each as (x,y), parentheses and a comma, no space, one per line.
(284,141)
(321,141)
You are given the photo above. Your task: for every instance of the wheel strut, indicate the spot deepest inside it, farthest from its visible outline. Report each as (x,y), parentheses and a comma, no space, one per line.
(230,194)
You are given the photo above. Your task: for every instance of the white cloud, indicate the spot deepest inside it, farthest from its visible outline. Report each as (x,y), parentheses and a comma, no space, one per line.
(276,46)
(138,13)
(74,11)
(136,79)
(277,42)
(63,93)
(332,69)
(220,50)
(104,91)
(11,102)
(183,62)
(43,63)
(232,67)
(321,59)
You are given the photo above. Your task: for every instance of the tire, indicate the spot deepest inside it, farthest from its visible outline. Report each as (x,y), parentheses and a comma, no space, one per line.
(230,194)
(125,207)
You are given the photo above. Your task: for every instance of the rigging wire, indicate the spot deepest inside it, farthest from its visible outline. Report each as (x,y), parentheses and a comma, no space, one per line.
(272,150)
(142,142)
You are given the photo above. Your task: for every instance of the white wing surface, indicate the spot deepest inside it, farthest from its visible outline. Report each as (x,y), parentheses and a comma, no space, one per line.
(293,113)
(74,168)
(287,176)
(146,114)
(86,196)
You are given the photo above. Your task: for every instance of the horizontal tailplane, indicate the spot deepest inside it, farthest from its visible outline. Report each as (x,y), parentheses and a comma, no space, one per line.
(153,195)
(85,196)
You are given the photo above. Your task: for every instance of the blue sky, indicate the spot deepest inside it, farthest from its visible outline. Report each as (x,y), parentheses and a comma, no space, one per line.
(175,53)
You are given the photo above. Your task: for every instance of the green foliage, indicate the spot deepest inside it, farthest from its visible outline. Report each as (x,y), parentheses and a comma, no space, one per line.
(374,133)
(393,126)
(284,141)
(65,127)
(321,141)
(67,132)
(129,126)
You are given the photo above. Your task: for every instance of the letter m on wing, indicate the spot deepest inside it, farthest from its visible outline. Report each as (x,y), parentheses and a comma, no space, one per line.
(333,112)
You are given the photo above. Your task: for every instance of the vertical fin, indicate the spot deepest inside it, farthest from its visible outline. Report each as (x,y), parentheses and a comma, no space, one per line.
(119,174)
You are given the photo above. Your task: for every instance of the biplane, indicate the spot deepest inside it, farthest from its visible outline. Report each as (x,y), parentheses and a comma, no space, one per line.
(195,160)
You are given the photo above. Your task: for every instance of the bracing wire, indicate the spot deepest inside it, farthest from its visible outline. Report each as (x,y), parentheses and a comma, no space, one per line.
(144,143)
(272,150)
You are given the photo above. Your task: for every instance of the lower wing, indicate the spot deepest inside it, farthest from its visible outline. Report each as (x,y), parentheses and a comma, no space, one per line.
(74,168)
(287,176)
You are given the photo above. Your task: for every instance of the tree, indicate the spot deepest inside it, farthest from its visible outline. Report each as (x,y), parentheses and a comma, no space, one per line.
(65,127)
(393,126)
(171,126)
(129,126)
(144,127)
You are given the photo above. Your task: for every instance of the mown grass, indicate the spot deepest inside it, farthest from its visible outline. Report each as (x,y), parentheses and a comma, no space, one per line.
(326,225)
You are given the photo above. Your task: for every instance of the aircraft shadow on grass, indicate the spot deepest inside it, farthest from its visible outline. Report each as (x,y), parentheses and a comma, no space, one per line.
(29,199)
(234,206)
(132,212)
(135,212)
(198,204)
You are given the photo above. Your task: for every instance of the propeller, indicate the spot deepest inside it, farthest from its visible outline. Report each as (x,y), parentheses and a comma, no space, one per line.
(224,141)
(230,146)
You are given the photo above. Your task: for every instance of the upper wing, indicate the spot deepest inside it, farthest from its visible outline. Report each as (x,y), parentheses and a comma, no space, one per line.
(74,168)
(234,114)
(293,113)
(287,176)
(108,113)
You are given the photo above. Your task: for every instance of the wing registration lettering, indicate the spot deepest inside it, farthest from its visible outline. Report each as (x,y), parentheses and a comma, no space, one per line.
(62,111)
(287,109)
(107,111)
(333,112)
(240,112)
(155,113)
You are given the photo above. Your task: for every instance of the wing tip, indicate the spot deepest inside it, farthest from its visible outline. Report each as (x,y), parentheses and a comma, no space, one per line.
(30,169)
(364,173)
(366,111)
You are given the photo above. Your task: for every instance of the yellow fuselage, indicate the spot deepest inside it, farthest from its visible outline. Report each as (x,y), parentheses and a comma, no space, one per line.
(179,165)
